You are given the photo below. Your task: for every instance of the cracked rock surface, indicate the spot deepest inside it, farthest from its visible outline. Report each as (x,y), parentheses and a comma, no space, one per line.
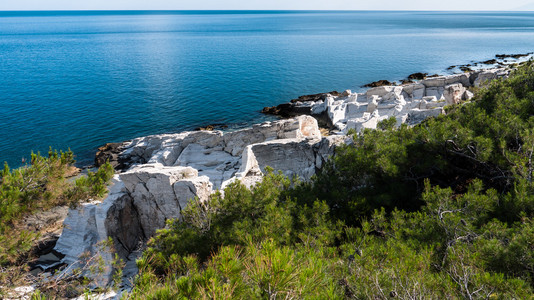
(169,170)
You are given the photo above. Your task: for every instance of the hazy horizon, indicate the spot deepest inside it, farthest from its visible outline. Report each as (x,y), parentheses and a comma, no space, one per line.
(276,5)
(273,10)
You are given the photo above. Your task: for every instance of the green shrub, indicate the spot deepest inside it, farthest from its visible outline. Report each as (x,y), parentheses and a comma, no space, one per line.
(41,185)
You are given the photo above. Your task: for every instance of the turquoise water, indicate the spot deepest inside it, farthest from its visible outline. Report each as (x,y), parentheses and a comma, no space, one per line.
(81,79)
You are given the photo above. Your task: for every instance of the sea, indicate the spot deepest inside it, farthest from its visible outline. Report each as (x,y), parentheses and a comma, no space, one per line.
(80,79)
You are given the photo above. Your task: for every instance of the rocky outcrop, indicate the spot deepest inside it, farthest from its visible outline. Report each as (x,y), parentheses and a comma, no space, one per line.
(110,152)
(169,170)
(408,103)
(417,76)
(516,56)
(159,193)
(378,83)
(315,97)
(289,110)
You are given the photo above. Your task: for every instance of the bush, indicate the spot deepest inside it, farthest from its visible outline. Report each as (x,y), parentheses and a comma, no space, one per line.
(41,185)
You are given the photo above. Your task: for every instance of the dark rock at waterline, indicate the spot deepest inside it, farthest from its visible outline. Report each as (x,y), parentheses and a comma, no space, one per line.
(294,108)
(378,83)
(212,127)
(287,110)
(111,152)
(451,67)
(516,56)
(489,62)
(417,76)
(315,97)
(465,69)
(406,81)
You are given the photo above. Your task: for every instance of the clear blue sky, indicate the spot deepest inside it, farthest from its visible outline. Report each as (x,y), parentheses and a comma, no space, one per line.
(266,4)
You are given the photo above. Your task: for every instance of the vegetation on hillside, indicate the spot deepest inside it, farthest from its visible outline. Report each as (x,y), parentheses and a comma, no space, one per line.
(34,188)
(440,210)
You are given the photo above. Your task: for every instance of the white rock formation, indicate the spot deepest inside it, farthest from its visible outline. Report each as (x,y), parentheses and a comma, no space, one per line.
(160,193)
(172,169)
(409,103)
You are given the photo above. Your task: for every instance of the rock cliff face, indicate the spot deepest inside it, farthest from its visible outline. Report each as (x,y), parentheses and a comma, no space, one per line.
(171,169)
(409,103)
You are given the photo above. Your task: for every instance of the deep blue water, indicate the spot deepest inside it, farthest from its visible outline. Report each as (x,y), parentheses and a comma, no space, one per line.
(81,79)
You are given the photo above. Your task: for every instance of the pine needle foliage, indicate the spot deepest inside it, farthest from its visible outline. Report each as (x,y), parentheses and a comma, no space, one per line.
(441,210)
(39,186)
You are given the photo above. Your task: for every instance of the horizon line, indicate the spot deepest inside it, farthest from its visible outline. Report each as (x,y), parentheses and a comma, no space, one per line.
(255,10)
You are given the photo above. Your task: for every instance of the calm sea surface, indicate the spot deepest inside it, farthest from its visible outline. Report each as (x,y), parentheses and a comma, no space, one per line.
(81,79)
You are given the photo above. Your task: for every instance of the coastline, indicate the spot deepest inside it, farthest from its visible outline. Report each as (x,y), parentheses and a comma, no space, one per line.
(304,105)
(417,97)
(158,174)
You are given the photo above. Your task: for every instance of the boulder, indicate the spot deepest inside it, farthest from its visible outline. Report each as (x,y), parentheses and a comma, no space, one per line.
(139,203)
(417,76)
(417,116)
(315,97)
(454,93)
(152,188)
(468,95)
(346,93)
(434,82)
(355,110)
(318,107)
(368,120)
(431,103)
(373,104)
(336,112)
(111,152)
(378,83)
(141,150)
(294,157)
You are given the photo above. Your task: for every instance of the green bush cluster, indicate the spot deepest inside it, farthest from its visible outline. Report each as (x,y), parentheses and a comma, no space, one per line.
(38,186)
(442,210)
(242,245)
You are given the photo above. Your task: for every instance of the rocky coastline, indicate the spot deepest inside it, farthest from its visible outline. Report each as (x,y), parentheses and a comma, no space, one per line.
(158,175)
(408,103)
(418,97)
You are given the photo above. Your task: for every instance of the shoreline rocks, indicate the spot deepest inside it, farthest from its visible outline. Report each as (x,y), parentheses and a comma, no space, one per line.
(111,152)
(382,82)
(409,103)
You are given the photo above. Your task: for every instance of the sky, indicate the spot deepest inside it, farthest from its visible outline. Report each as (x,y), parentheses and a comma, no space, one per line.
(265,5)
